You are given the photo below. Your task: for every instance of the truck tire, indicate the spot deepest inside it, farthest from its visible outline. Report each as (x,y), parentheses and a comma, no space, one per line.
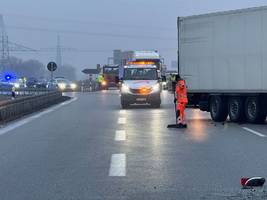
(254,111)
(236,109)
(218,108)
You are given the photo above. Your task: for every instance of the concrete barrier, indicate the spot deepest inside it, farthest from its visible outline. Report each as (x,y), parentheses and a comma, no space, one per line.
(14,109)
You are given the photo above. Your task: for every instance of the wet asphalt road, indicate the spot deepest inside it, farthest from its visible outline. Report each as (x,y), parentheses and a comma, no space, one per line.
(90,149)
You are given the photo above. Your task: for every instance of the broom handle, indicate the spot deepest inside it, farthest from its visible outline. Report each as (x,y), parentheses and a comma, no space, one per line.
(175,104)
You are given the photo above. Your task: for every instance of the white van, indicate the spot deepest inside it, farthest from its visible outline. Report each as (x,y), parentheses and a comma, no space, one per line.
(140,85)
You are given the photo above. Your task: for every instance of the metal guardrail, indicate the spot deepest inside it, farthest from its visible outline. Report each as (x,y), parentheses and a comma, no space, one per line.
(26,91)
(12,109)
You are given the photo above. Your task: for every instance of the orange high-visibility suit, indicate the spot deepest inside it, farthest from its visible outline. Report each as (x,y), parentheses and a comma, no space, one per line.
(182,100)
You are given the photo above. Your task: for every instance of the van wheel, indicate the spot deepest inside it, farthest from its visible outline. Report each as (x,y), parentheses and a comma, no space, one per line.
(156,104)
(236,109)
(218,108)
(124,104)
(254,111)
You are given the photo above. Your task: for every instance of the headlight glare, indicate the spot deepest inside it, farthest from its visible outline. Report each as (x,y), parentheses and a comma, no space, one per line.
(125,88)
(16,85)
(62,86)
(156,88)
(73,86)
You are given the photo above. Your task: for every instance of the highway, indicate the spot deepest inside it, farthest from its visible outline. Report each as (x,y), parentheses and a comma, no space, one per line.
(89,148)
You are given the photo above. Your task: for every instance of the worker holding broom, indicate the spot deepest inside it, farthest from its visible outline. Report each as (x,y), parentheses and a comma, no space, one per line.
(181,101)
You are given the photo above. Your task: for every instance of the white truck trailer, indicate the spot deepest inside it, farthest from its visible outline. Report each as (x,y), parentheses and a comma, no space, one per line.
(223,57)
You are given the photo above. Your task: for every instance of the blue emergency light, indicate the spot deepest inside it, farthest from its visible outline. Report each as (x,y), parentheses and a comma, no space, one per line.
(8,77)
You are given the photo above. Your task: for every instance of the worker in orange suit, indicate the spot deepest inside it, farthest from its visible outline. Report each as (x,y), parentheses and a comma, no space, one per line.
(182,100)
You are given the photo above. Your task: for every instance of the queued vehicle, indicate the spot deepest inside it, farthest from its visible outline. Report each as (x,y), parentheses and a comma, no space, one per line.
(5,85)
(31,82)
(34,83)
(62,84)
(41,83)
(109,74)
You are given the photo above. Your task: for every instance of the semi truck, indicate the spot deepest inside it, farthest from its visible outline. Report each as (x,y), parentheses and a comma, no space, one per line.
(223,58)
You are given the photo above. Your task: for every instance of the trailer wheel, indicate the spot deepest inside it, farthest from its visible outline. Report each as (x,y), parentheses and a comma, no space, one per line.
(218,108)
(254,110)
(236,109)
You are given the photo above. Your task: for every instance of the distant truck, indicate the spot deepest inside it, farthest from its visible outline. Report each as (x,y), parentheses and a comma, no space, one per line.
(109,73)
(223,58)
(143,57)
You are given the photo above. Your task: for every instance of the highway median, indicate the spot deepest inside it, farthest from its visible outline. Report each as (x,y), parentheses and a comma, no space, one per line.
(15,108)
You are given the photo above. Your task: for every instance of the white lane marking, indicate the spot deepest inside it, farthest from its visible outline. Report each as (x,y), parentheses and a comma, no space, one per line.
(122,120)
(19,123)
(122,111)
(254,132)
(120,135)
(42,113)
(118,165)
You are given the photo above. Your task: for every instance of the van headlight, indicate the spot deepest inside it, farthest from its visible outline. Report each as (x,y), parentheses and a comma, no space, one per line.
(156,88)
(16,85)
(104,83)
(62,86)
(125,88)
(73,86)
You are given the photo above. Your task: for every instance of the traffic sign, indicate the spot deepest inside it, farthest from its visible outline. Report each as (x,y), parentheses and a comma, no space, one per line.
(91,71)
(52,66)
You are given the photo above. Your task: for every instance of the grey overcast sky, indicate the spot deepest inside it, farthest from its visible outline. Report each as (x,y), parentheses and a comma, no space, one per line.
(96,27)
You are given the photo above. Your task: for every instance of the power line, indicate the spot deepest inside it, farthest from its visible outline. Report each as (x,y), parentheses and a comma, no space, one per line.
(18,47)
(7,46)
(132,26)
(96,34)
(87,51)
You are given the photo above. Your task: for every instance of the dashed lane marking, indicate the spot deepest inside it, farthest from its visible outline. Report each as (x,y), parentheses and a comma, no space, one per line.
(120,135)
(118,165)
(122,111)
(254,132)
(122,120)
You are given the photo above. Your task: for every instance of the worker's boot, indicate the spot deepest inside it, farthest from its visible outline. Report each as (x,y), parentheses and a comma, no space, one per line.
(184,125)
(180,125)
